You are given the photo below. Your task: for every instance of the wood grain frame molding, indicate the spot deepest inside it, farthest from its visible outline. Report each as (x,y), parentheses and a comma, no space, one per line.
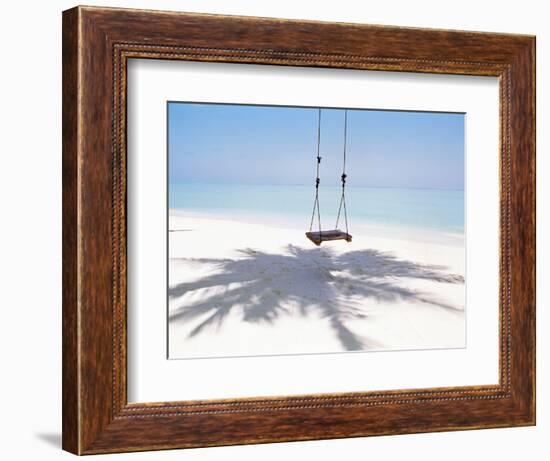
(97,44)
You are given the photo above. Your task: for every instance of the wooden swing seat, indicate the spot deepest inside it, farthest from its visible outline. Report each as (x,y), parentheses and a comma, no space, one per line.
(324,236)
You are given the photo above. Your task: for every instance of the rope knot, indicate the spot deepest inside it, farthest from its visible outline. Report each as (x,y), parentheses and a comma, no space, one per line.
(344,176)
(319,159)
(317,181)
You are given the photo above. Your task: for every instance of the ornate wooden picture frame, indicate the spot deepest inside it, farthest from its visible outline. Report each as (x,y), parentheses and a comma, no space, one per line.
(97,44)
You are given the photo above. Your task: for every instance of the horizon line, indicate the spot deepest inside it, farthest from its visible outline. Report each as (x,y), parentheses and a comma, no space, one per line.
(312,185)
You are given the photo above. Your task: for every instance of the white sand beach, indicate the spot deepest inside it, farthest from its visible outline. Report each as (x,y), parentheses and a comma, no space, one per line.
(242,287)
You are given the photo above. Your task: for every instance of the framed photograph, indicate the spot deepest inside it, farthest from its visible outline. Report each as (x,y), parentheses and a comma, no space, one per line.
(281,230)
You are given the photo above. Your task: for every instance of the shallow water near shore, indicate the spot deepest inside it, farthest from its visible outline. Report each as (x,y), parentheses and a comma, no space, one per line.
(441,211)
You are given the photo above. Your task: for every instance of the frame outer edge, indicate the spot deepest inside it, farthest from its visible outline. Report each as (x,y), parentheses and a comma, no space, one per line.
(70,210)
(522,234)
(534,214)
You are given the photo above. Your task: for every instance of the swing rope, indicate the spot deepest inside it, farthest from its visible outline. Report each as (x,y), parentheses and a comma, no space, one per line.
(317,179)
(343,177)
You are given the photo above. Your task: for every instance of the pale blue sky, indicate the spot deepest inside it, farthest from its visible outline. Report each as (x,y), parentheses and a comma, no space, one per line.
(218,143)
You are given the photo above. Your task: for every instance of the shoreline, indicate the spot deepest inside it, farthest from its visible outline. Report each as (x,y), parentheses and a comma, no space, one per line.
(357,226)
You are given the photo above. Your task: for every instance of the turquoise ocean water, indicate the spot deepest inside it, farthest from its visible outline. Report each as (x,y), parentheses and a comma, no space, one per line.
(423,209)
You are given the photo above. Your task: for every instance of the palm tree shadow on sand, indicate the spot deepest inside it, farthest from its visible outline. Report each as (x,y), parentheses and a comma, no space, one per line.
(262,285)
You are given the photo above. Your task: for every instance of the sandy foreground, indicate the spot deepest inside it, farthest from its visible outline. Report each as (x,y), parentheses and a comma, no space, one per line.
(239,288)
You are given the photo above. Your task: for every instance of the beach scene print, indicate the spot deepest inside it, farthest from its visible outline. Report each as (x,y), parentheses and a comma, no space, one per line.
(307,230)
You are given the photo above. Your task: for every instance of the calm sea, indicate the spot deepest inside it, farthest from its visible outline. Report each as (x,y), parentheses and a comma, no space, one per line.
(426,209)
